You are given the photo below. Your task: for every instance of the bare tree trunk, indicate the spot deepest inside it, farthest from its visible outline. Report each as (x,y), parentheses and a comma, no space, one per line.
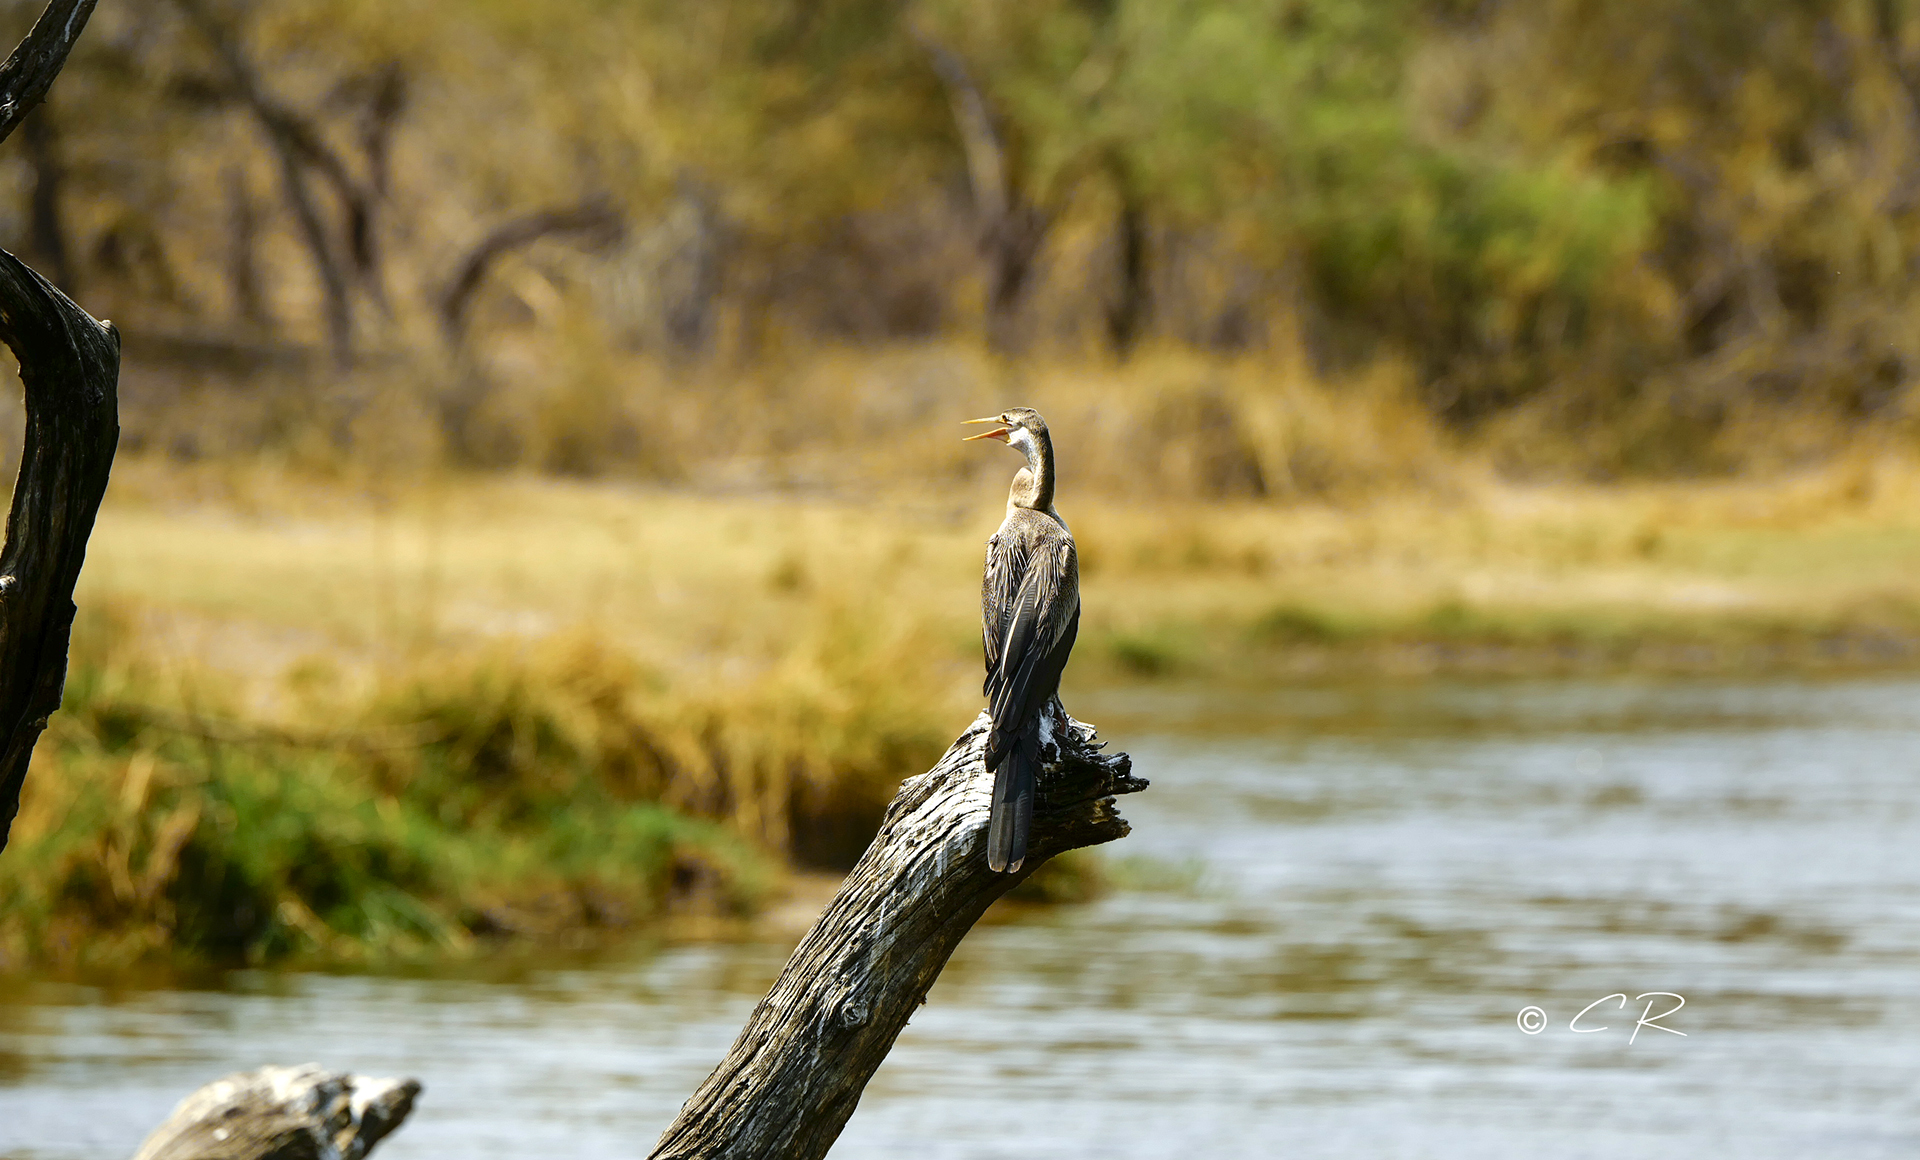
(243,247)
(796,1072)
(1013,245)
(69,365)
(297,144)
(386,102)
(283,1113)
(1128,312)
(1012,228)
(333,287)
(695,270)
(46,226)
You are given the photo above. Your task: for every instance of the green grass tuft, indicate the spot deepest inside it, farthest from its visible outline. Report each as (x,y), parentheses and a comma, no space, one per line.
(505,793)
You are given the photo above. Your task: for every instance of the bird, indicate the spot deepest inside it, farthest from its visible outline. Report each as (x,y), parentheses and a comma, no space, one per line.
(1029,617)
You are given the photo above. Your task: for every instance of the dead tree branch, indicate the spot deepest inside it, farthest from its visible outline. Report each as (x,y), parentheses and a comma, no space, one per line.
(595,218)
(298,145)
(385,103)
(279,1113)
(69,365)
(796,1072)
(29,72)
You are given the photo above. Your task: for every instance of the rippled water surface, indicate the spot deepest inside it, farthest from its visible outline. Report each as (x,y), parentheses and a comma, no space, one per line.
(1352,893)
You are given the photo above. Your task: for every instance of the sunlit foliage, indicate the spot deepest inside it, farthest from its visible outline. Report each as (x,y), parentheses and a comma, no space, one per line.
(1673,230)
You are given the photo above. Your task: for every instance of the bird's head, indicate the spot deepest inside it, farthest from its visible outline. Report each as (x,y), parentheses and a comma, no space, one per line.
(1021,428)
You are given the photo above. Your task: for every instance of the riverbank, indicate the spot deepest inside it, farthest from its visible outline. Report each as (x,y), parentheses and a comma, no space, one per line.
(364,719)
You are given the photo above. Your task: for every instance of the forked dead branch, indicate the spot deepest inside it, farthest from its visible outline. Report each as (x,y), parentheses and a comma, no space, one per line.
(796,1071)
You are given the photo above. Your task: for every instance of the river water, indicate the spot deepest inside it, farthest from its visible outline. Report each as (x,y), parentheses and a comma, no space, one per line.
(1339,900)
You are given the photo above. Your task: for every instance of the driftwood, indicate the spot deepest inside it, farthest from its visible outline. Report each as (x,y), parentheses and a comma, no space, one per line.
(69,364)
(796,1072)
(283,1113)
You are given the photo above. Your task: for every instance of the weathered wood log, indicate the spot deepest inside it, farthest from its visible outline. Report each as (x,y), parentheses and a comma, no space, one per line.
(796,1072)
(70,365)
(283,1113)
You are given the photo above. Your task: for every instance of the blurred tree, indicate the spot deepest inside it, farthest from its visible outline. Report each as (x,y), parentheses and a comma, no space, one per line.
(1645,217)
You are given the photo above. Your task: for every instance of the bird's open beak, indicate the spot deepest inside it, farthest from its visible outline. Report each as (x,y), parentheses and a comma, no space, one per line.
(1000,434)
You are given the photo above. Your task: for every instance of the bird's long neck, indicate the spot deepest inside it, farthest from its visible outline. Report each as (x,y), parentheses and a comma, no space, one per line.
(1033,488)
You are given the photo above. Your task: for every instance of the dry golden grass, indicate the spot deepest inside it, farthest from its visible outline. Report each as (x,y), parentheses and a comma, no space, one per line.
(261,571)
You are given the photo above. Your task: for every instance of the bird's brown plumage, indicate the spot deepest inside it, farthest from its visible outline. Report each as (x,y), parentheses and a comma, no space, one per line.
(1029,617)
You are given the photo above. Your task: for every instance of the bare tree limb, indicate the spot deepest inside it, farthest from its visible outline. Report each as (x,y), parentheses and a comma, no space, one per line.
(384,106)
(297,143)
(46,224)
(69,365)
(594,218)
(29,72)
(385,100)
(314,233)
(243,244)
(796,1072)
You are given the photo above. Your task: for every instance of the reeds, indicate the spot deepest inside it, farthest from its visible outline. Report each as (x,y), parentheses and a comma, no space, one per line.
(542,790)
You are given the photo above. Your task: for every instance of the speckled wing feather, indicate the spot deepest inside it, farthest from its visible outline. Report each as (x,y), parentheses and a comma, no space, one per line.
(1006,568)
(1041,615)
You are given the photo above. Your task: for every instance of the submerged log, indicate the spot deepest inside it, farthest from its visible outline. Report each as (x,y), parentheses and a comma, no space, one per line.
(283,1113)
(796,1072)
(70,365)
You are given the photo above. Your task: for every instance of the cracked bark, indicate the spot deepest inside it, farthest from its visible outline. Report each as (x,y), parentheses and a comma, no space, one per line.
(796,1072)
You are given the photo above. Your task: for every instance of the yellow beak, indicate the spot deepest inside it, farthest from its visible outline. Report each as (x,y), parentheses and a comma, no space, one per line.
(1001,434)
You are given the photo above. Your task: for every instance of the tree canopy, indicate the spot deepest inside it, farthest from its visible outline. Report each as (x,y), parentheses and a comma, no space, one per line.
(1646,215)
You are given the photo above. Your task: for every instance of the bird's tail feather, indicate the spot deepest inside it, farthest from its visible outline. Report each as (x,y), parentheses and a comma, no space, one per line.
(1012,816)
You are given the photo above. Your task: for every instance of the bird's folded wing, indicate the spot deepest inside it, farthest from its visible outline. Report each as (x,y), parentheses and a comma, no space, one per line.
(1042,613)
(999,586)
